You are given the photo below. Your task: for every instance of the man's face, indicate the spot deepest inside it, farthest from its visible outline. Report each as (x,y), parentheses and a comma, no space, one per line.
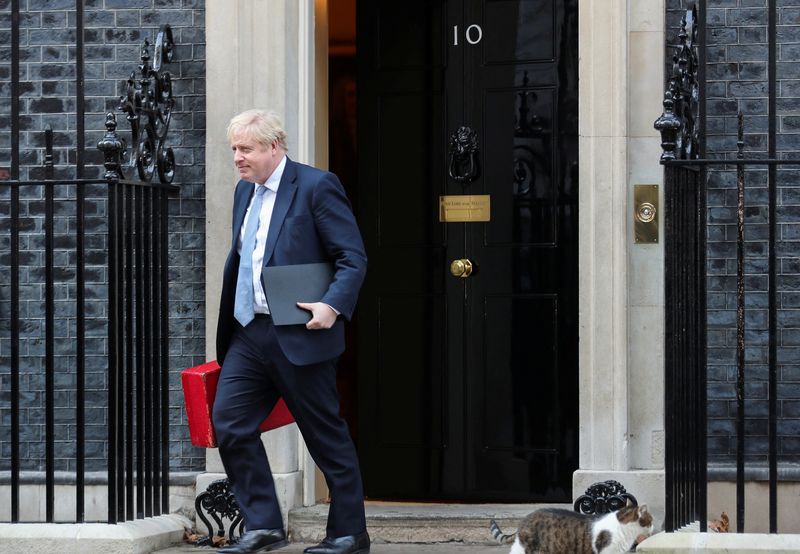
(255,161)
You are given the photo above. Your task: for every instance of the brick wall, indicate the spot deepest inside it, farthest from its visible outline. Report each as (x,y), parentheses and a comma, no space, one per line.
(114,30)
(737,81)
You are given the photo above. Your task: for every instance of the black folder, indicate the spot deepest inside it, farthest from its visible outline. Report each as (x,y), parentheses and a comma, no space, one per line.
(286,285)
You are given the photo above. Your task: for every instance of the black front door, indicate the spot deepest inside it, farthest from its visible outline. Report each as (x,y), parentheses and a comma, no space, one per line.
(468,384)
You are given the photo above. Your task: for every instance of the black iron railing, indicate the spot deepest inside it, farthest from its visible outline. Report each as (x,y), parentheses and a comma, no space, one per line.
(685,378)
(685,174)
(137,400)
(684,284)
(130,248)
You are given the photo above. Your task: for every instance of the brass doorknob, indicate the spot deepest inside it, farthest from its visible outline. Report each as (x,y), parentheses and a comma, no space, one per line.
(461,268)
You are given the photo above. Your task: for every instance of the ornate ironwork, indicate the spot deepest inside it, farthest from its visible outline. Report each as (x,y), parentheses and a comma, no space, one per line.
(113,147)
(602,498)
(679,124)
(463,167)
(219,503)
(147,103)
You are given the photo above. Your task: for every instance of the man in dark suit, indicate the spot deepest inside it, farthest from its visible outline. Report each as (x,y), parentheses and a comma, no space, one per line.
(286,213)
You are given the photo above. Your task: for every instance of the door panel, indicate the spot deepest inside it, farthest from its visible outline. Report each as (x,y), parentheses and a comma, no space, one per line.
(522,159)
(520,363)
(468,387)
(400,426)
(408,34)
(404,193)
(519,31)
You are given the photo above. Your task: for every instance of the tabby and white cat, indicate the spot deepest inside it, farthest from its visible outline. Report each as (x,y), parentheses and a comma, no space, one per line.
(555,531)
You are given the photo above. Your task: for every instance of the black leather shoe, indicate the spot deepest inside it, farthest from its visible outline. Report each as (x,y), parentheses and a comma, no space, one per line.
(351,544)
(258,540)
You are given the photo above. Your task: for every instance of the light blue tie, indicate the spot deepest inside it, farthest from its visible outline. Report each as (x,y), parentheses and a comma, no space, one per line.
(244,306)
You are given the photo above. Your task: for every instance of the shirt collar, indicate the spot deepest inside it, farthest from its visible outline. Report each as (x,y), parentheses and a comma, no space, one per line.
(274,180)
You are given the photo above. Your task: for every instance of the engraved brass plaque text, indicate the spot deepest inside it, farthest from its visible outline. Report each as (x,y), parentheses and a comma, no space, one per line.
(464,208)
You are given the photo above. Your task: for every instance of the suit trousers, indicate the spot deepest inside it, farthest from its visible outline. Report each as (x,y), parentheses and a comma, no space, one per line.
(255,373)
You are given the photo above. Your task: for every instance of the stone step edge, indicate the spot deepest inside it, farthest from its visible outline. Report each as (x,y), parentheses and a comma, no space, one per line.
(132,537)
(720,543)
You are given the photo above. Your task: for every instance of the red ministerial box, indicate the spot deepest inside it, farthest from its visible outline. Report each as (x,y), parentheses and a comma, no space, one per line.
(199,390)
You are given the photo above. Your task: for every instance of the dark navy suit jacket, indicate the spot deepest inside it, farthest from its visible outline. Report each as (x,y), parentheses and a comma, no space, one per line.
(312,221)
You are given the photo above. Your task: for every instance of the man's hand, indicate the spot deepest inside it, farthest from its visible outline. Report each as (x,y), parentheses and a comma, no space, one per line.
(322,315)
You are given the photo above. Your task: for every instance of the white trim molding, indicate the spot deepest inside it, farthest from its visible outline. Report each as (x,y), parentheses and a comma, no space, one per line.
(621,283)
(602,287)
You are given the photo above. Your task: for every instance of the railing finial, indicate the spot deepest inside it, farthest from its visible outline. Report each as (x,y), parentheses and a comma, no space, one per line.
(112,146)
(668,125)
(679,123)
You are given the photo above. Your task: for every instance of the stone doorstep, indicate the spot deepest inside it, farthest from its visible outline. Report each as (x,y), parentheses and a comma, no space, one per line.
(396,522)
(719,543)
(132,537)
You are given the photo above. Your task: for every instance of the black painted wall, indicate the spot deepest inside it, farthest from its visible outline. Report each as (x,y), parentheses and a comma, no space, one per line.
(114,30)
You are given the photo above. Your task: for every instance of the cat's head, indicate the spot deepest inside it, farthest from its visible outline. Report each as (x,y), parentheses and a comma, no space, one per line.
(636,515)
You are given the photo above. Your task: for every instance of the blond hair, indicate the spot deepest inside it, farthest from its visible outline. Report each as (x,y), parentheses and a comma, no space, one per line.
(264,127)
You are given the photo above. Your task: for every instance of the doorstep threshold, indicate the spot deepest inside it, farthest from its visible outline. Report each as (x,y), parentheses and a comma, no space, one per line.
(420,522)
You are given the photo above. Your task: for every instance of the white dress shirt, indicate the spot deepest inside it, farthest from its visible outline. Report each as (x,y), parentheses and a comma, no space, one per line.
(273,181)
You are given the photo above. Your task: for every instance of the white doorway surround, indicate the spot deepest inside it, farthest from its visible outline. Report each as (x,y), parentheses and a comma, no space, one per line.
(273,54)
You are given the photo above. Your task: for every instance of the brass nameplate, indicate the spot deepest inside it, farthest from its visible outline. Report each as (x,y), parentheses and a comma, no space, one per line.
(464,207)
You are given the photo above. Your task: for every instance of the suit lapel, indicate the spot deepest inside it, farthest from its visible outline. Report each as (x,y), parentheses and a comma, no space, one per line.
(244,191)
(283,200)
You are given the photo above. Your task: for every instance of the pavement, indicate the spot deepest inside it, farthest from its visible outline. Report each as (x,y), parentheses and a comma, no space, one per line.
(297,548)
(426,528)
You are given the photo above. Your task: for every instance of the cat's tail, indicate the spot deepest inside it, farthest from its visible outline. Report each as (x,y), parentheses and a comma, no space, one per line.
(498,534)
